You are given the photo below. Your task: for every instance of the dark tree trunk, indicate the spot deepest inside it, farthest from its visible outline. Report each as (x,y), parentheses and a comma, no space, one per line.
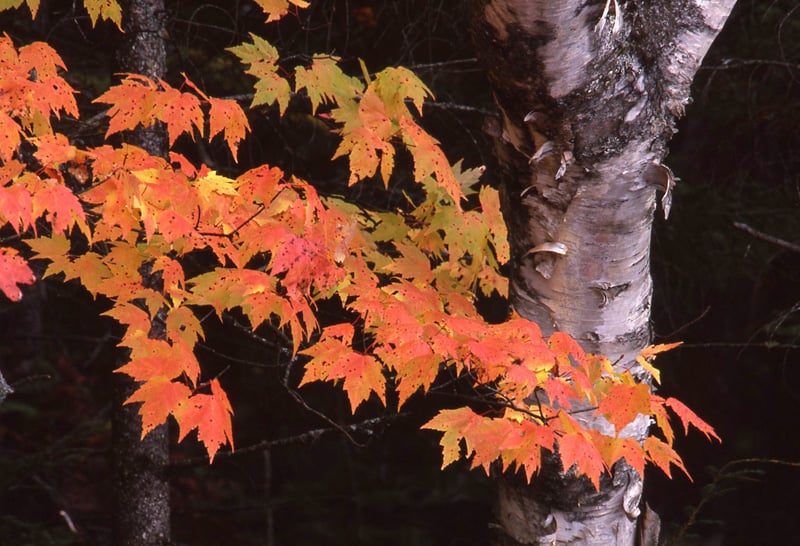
(588,93)
(141,508)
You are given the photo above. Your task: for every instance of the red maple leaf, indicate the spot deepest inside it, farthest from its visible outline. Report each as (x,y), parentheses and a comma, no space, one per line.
(14,270)
(688,417)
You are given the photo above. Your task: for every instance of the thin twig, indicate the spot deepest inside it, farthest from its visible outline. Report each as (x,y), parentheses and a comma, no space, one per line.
(443,64)
(308,436)
(683,327)
(768,238)
(299,399)
(722,474)
(728,64)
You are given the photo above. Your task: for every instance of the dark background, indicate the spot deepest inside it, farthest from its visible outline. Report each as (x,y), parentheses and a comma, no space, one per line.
(733,298)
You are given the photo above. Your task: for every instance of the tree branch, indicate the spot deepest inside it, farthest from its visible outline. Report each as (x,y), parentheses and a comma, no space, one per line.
(768,238)
(309,436)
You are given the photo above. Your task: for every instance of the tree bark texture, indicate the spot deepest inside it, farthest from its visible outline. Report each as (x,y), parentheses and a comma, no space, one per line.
(141,489)
(588,94)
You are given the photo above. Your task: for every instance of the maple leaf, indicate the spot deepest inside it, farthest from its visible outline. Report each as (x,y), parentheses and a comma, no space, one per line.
(417,370)
(105,9)
(160,397)
(130,315)
(302,261)
(222,289)
(275,9)
(262,58)
(659,412)
(260,54)
(180,112)
(172,276)
(156,357)
(210,414)
(14,270)
(623,403)
(53,149)
(332,358)
(226,116)
(260,184)
(649,353)
(365,136)
(454,423)
(325,82)
(147,367)
(523,446)
(183,325)
(16,203)
(688,417)
(9,137)
(138,100)
(175,227)
(492,215)
(412,264)
(56,250)
(429,160)
(62,206)
(560,392)
(132,103)
(576,449)
(33,5)
(47,92)
(615,449)
(662,455)
(396,84)
(483,439)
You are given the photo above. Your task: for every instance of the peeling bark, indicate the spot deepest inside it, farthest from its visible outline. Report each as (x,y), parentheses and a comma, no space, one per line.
(141,489)
(588,93)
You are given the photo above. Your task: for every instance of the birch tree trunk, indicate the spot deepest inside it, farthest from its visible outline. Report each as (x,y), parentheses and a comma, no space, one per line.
(141,489)
(588,94)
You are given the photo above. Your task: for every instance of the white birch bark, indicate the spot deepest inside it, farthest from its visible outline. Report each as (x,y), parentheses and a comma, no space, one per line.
(588,93)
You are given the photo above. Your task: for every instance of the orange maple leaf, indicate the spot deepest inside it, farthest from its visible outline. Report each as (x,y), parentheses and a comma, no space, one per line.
(179,111)
(275,9)
(160,397)
(53,149)
(524,445)
(63,208)
(9,137)
(227,117)
(662,455)
(333,358)
(623,403)
(429,160)
(576,449)
(454,424)
(210,414)
(614,449)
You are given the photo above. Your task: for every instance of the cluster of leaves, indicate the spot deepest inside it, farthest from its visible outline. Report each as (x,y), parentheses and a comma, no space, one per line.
(114,217)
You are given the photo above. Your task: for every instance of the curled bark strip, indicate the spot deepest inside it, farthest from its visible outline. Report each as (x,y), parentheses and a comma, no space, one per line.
(554,247)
